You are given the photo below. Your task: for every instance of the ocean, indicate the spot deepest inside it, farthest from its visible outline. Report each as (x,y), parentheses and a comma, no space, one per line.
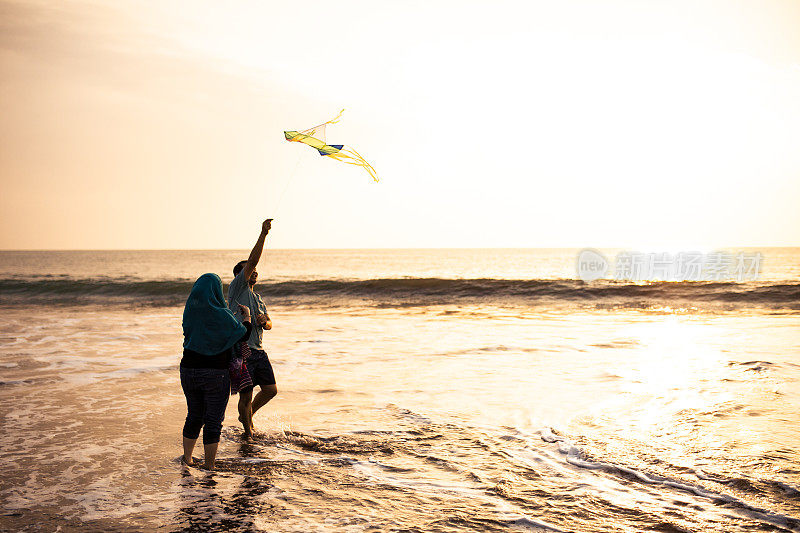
(419,390)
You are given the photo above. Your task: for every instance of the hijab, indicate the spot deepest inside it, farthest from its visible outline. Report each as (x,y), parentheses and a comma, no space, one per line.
(209,327)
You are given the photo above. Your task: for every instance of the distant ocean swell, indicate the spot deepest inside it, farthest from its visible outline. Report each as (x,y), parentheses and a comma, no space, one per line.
(423,291)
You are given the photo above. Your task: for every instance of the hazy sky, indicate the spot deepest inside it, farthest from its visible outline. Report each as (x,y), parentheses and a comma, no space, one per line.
(643,124)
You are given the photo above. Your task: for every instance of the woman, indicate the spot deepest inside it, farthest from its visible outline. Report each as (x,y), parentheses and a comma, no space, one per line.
(210,331)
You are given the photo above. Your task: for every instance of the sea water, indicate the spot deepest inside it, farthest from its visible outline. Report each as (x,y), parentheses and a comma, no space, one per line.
(421,390)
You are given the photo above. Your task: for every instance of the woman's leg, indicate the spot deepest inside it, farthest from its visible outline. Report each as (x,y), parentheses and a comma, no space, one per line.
(188,448)
(210,452)
(217,392)
(195,407)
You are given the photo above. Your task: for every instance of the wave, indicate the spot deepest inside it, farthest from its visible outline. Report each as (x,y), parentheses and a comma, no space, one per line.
(517,471)
(578,457)
(425,291)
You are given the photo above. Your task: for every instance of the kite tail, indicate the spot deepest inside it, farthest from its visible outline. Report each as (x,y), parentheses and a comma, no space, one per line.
(318,131)
(335,119)
(351,157)
(312,132)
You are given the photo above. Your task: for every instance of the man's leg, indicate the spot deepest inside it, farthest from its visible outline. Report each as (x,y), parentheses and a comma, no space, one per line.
(266,393)
(266,378)
(246,411)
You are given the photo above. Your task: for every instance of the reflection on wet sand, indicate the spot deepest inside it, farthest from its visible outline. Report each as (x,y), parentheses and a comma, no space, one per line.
(490,420)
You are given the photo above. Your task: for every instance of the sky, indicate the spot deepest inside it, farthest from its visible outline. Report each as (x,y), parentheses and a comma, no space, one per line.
(652,125)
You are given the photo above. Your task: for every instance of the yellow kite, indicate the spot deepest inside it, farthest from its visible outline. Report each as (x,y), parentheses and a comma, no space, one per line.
(315,137)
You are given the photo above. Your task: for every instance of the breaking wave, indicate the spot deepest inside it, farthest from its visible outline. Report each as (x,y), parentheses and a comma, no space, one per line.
(423,291)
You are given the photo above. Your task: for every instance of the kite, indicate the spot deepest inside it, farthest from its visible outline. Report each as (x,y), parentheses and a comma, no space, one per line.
(315,137)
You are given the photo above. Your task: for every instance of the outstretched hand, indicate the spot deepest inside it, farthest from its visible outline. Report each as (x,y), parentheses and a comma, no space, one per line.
(255,253)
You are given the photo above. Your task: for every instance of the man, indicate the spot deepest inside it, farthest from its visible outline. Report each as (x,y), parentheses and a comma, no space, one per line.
(241,292)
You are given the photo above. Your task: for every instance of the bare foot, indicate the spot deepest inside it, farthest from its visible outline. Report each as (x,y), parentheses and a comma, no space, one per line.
(191,462)
(248,433)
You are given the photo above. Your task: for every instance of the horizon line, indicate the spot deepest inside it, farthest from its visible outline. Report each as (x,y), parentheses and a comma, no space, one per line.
(381,248)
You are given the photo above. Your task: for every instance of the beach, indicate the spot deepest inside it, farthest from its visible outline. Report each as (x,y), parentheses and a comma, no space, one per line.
(419,390)
(525,266)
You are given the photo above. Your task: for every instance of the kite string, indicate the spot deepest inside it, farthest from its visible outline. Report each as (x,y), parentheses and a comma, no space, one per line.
(285,187)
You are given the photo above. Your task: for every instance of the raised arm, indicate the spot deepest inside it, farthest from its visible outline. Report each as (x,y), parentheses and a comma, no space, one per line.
(255,254)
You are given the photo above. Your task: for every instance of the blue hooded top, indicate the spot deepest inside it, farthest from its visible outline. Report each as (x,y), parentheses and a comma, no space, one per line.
(209,327)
